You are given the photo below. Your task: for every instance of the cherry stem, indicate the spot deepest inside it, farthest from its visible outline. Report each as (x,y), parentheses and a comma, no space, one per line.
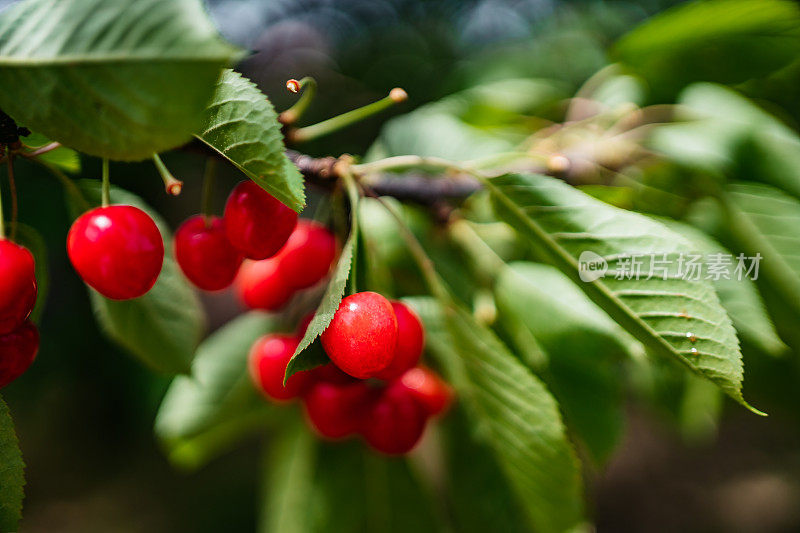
(426,266)
(309,87)
(106,187)
(209,178)
(12,185)
(338,122)
(42,150)
(172,185)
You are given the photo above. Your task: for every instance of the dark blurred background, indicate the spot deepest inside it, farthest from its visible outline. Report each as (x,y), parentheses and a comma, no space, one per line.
(84,412)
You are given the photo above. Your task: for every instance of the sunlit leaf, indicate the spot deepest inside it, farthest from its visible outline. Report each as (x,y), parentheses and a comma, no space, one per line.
(671,313)
(740,297)
(241,124)
(727,41)
(114,79)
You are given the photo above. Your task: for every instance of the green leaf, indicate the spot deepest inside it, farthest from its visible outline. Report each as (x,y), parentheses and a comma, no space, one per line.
(722,131)
(241,124)
(763,220)
(341,487)
(727,41)
(12,476)
(585,348)
(740,298)
(480,497)
(217,403)
(62,157)
(513,413)
(306,359)
(34,242)
(113,79)
(289,481)
(163,327)
(680,319)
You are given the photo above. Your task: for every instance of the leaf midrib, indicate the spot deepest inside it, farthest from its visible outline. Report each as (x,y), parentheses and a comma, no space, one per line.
(597,291)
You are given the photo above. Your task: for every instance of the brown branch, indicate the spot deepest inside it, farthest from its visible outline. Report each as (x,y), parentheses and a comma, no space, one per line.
(414,187)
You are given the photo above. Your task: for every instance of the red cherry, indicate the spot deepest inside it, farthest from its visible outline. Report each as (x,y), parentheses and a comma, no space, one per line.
(256,223)
(394,422)
(410,342)
(362,336)
(431,391)
(267,363)
(261,286)
(117,250)
(204,253)
(17,285)
(336,410)
(17,352)
(308,254)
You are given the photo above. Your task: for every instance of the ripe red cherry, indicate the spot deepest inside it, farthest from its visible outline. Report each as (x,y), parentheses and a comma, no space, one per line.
(17,285)
(204,253)
(336,410)
(307,256)
(256,223)
(410,342)
(117,250)
(17,352)
(362,336)
(394,422)
(430,391)
(261,286)
(267,364)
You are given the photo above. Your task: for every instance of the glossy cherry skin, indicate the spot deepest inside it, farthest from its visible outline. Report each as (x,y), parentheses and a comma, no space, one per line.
(117,250)
(267,364)
(362,336)
(17,285)
(410,342)
(204,253)
(260,285)
(430,391)
(336,410)
(394,422)
(256,223)
(308,255)
(17,352)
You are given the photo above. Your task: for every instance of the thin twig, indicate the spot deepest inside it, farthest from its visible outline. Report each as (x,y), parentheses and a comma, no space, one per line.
(426,266)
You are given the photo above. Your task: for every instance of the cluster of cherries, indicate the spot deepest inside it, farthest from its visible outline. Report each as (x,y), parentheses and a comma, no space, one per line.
(19,338)
(373,387)
(118,249)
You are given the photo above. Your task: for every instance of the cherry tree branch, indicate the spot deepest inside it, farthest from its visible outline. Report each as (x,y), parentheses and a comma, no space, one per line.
(410,187)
